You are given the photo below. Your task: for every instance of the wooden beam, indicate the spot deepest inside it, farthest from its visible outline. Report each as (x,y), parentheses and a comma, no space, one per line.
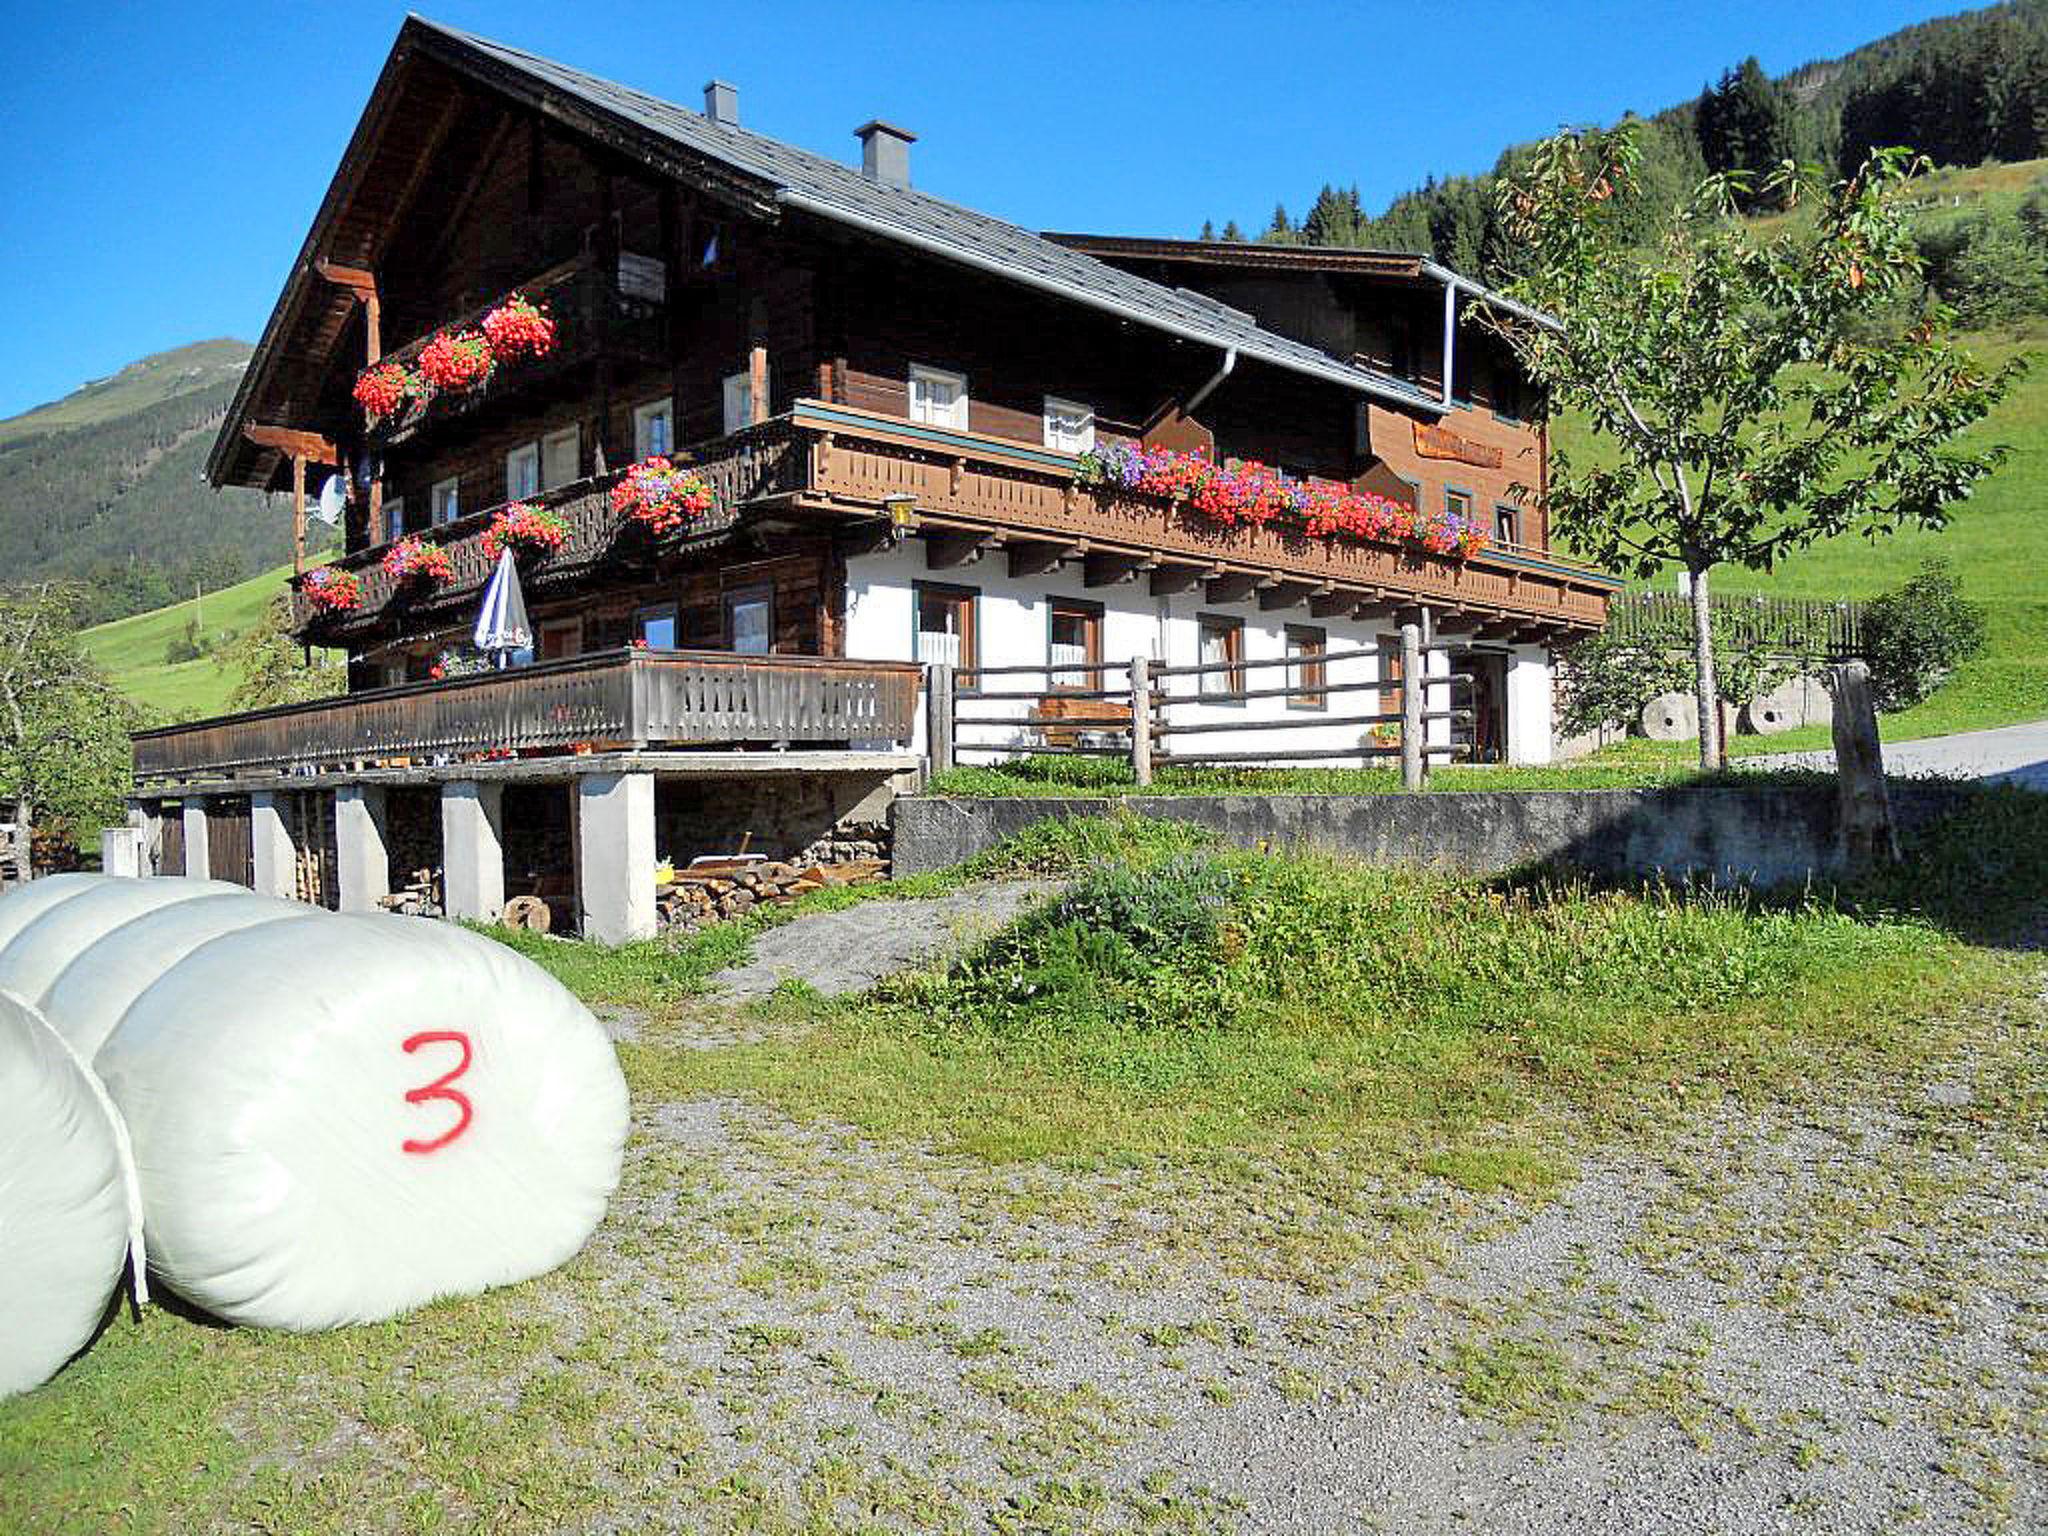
(1332,605)
(1170,579)
(1367,612)
(757,382)
(943,551)
(290,440)
(868,537)
(1105,569)
(357,280)
(1236,586)
(1284,594)
(1458,621)
(1497,629)
(1036,557)
(298,515)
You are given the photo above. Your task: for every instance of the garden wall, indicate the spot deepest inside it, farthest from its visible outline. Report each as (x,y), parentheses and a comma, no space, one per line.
(1767,835)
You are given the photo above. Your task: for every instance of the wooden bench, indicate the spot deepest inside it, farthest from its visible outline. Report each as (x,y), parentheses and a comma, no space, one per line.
(1064,719)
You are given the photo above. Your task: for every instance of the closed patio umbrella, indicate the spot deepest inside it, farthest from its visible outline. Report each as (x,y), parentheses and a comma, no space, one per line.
(502,626)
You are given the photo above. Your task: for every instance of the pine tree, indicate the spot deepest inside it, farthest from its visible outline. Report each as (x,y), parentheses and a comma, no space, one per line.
(1232,233)
(1208,230)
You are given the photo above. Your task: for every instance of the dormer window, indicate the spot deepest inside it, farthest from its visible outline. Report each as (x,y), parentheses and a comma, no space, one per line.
(938,398)
(1069,425)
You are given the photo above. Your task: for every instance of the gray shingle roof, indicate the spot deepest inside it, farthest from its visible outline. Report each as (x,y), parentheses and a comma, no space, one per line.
(827,189)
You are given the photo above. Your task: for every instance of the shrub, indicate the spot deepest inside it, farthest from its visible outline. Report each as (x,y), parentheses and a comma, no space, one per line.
(1914,637)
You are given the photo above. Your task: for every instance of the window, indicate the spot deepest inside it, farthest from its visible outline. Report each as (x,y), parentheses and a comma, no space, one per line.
(652,430)
(1073,643)
(739,402)
(750,619)
(655,626)
(1458,503)
(938,398)
(522,472)
(561,458)
(1507,524)
(561,638)
(394,516)
(945,629)
(1306,647)
(447,501)
(1390,677)
(1222,645)
(1069,427)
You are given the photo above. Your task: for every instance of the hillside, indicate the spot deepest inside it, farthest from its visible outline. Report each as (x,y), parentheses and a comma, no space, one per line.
(104,487)
(136,651)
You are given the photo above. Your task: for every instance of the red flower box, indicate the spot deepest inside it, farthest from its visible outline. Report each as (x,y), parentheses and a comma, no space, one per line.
(661,497)
(525,530)
(457,361)
(332,591)
(519,328)
(413,559)
(385,387)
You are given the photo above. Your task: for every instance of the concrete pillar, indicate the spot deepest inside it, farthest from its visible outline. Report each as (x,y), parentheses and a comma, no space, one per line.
(197,864)
(146,817)
(273,854)
(473,850)
(362,861)
(615,855)
(121,851)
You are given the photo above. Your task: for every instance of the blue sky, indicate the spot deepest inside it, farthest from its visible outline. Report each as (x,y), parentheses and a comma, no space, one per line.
(161,161)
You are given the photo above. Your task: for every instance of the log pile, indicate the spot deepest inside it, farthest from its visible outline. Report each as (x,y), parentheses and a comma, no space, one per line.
(729,888)
(418,897)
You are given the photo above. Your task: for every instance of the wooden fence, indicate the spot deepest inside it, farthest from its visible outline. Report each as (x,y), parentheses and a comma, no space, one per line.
(1103,720)
(1809,629)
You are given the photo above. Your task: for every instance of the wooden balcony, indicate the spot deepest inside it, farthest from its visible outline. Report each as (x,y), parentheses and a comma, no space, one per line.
(592,316)
(620,700)
(972,496)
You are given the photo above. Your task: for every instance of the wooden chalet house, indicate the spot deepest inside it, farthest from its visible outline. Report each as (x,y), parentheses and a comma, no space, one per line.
(905,414)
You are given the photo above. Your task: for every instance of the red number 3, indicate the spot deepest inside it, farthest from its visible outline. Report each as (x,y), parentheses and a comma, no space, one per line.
(439,1089)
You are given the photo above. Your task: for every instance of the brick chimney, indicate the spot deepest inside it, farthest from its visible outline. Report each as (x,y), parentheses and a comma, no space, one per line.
(885,152)
(722,102)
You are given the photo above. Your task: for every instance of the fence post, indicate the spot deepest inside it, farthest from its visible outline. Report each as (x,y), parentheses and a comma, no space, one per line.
(1413,763)
(1863,806)
(1141,720)
(938,719)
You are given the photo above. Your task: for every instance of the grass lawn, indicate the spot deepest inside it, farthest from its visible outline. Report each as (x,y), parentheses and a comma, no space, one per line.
(133,649)
(1309,1037)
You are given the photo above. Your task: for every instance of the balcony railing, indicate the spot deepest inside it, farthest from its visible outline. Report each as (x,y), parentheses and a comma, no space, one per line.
(836,462)
(591,315)
(614,700)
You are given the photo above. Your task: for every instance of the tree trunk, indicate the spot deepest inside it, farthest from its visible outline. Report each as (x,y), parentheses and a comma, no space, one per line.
(1705,687)
(24,840)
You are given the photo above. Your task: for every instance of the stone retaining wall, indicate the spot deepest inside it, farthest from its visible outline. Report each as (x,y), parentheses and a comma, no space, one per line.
(1769,835)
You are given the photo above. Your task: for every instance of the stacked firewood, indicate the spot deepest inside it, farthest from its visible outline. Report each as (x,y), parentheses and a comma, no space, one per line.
(714,891)
(420,896)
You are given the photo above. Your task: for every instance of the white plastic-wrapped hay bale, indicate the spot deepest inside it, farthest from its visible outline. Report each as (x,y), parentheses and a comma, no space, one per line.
(340,1118)
(66,1201)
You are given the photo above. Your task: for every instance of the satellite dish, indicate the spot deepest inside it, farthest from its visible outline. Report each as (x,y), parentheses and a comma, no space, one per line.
(333,498)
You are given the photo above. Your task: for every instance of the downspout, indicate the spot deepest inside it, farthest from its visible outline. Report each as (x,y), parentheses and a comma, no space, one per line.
(1208,389)
(1450,335)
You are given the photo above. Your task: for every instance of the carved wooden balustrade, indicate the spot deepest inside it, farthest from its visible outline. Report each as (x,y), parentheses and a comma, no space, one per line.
(618,699)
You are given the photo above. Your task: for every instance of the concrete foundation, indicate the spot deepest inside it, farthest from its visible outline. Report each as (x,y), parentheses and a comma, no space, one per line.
(273,857)
(615,856)
(197,864)
(1767,836)
(473,850)
(363,863)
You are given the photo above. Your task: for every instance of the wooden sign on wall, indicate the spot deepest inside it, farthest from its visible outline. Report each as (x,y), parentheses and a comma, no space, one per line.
(1436,442)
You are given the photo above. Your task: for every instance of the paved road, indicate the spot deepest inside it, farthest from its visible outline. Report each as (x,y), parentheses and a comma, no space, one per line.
(2016,754)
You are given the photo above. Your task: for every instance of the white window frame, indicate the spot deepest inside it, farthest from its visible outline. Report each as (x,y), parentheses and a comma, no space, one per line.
(552,446)
(529,455)
(446,493)
(394,517)
(660,410)
(1056,437)
(953,415)
(737,397)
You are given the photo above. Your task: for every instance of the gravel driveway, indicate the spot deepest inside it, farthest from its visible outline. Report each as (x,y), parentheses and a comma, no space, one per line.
(2016,754)
(1825,1320)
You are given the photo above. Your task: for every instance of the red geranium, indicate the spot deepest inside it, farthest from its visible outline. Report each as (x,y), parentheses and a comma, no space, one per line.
(526,530)
(412,558)
(332,591)
(519,328)
(382,389)
(655,493)
(456,361)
